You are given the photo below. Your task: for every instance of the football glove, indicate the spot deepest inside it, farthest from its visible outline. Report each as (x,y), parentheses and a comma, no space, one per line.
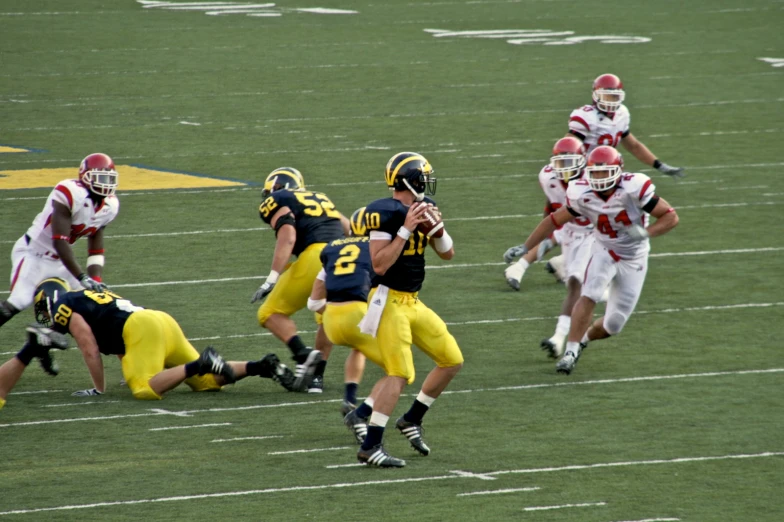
(514,252)
(544,247)
(675,172)
(46,337)
(638,233)
(262,292)
(86,393)
(91,284)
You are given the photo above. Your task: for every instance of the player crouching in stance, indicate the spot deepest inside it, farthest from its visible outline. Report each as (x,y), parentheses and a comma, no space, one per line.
(340,292)
(616,203)
(75,208)
(400,229)
(156,356)
(304,222)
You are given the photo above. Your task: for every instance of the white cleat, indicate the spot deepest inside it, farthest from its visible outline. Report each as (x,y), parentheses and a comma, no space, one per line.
(556,267)
(514,275)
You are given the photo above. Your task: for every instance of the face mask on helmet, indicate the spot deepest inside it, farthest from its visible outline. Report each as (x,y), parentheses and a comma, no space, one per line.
(46,294)
(567,166)
(102,182)
(603,177)
(608,100)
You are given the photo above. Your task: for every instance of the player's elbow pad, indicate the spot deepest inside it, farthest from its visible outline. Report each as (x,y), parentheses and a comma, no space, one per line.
(314,305)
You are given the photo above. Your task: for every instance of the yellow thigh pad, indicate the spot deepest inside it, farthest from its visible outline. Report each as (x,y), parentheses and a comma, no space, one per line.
(341,324)
(294,286)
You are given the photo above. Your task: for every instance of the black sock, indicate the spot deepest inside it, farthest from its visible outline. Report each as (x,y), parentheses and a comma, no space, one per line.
(320,369)
(416,412)
(298,349)
(191,369)
(26,354)
(257,368)
(351,392)
(373,438)
(364,411)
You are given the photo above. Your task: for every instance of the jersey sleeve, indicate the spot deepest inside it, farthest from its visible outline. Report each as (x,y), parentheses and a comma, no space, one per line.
(627,128)
(64,194)
(272,204)
(580,120)
(573,194)
(647,190)
(384,220)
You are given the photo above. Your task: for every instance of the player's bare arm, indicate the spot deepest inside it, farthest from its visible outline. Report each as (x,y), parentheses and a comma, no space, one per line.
(346,224)
(666,219)
(61,235)
(542,231)
(87,344)
(95,259)
(384,252)
(282,223)
(638,149)
(317,301)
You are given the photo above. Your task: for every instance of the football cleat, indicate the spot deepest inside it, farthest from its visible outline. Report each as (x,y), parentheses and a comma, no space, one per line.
(316,384)
(211,362)
(48,363)
(304,372)
(553,347)
(277,371)
(346,408)
(556,267)
(357,425)
(413,432)
(377,456)
(569,360)
(514,275)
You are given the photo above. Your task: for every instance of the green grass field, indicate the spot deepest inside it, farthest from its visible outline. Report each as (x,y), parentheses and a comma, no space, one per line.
(653,424)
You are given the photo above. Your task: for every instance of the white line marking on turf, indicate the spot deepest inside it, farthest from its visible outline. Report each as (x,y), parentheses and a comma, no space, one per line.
(477,390)
(192,426)
(497,491)
(344,485)
(653,520)
(32,392)
(564,506)
(161,411)
(334,448)
(60,405)
(264,437)
(353,465)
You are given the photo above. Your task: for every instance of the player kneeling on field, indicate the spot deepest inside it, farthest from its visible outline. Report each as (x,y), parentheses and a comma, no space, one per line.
(156,356)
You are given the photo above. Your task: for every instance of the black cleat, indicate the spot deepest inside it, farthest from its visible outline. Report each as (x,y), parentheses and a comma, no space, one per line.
(346,408)
(48,363)
(304,374)
(273,369)
(210,361)
(316,384)
(377,456)
(413,433)
(356,425)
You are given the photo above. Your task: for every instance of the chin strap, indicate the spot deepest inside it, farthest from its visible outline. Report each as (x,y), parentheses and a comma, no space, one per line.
(417,196)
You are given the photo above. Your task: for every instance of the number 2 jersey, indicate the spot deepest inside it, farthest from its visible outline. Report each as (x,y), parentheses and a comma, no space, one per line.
(634,195)
(315,217)
(383,218)
(348,269)
(598,128)
(104,312)
(86,218)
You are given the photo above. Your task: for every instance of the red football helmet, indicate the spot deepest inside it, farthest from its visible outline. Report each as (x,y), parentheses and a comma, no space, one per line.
(568,158)
(98,174)
(604,166)
(608,93)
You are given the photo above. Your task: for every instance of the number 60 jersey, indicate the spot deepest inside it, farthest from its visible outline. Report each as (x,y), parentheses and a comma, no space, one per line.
(315,217)
(634,195)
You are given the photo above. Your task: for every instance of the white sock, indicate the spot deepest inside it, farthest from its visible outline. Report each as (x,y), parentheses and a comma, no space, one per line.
(379,419)
(562,328)
(425,399)
(369,401)
(523,263)
(573,348)
(585,339)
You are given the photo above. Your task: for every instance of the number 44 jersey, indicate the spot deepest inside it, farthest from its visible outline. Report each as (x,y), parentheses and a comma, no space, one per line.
(613,215)
(315,217)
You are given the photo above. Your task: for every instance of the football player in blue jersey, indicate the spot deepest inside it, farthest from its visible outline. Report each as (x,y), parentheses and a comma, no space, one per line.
(304,222)
(396,316)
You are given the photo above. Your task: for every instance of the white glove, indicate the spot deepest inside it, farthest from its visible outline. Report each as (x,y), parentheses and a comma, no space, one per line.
(675,172)
(262,292)
(86,393)
(638,233)
(91,284)
(514,252)
(544,247)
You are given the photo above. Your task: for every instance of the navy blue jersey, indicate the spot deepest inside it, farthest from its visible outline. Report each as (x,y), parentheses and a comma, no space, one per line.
(315,217)
(349,269)
(105,313)
(408,272)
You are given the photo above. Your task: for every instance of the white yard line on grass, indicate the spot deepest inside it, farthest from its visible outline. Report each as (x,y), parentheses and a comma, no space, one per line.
(263,437)
(666,519)
(314,450)
(497,491)
(624,380)
(81,403)
(344,485)
(32,392)
(564,506)
(192,426)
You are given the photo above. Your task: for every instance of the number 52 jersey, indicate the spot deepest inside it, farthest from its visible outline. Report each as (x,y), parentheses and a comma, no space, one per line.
(634,195)
(316,219)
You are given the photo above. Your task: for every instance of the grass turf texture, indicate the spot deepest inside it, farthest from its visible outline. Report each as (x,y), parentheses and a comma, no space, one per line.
(336,96)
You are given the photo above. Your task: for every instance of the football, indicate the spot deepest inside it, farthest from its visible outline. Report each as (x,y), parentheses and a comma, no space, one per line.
(433,226)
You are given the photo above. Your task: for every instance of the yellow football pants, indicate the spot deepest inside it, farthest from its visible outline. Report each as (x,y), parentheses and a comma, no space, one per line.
(154,341)
(407,320)
(341,324)
(294,286)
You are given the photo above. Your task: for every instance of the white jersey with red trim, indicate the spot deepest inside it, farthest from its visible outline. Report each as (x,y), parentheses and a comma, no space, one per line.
(555,192)
(598,127)
(613,216)
(86,219)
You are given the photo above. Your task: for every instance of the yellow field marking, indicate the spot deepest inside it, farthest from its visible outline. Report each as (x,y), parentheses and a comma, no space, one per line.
(4,149)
